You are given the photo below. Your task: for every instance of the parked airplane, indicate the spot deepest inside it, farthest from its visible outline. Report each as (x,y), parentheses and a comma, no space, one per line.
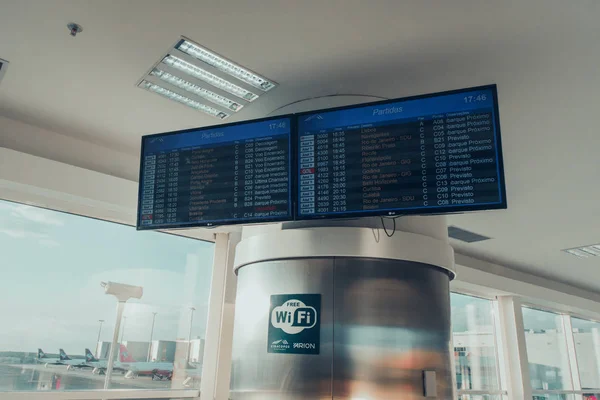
(69,362)
(44,359)
(99,365)
(91,360)
(158,370)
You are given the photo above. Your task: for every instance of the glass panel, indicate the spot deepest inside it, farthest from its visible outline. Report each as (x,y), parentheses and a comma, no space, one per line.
(481,397)
(53,264)
(591,396)
(474,343)
(547,351)
(587,346)
(553,396)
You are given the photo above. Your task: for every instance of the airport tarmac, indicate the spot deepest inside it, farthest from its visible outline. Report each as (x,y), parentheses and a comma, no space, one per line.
(34,377)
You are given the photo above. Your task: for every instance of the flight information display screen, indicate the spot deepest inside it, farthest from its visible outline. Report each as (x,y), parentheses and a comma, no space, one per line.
(236,173)
(438,153)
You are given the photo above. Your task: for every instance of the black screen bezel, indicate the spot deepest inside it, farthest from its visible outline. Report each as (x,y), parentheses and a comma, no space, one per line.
(399,211)
(216,223)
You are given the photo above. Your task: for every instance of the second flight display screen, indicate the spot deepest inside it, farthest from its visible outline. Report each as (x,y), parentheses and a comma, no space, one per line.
(422,155)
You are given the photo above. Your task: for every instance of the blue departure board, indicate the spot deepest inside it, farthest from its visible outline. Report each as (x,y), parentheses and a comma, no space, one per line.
(220,175)
(437,153)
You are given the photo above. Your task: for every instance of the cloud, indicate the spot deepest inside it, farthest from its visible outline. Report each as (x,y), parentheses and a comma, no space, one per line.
(41,238)
(37,215)
(23,234)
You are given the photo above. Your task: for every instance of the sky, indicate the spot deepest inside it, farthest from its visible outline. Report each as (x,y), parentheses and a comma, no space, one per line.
(52,266)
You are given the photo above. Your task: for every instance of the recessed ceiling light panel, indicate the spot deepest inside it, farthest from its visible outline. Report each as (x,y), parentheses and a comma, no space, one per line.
(225,65)
(197,90)
(585,251)
(204,80)
(207,77)
(169,94)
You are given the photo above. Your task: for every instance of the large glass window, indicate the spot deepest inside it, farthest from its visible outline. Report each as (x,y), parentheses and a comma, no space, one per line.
(586,335)
(546,350)
(57,322)
(475,350)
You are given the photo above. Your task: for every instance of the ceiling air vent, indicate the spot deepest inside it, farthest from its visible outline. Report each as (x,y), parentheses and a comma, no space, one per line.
(3,68)
(465,236)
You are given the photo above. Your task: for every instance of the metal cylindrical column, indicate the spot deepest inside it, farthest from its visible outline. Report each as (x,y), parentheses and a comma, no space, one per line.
(383,317)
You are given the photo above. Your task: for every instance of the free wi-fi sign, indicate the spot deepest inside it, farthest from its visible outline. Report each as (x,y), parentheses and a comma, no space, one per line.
(294,324)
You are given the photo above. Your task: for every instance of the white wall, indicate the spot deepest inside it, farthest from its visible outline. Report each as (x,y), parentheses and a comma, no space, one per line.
(35,180)
(51,184)
(196,351)
(483,278)
(473,340)
(40,142)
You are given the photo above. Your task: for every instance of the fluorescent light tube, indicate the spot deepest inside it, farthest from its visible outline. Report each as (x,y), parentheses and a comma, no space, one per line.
(225,65)
(590,250)
(197,90)
(183,100)
(206,76)
(585,251)
(577,253)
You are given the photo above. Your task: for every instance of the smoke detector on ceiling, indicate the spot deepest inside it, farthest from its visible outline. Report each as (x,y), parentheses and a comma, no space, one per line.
(3,67)
(74,29)
(465,236)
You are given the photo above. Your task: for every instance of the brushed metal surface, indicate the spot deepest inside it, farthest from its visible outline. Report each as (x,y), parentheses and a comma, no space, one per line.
(383,322)
(257,374)
(392,322)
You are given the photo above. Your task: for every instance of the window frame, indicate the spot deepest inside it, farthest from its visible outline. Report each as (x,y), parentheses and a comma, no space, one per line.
(595,390)
(40,182)
(577,392)
(568,334)
(221,259)
(500,376)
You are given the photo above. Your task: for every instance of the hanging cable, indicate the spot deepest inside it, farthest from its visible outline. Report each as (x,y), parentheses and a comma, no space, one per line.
(385,229)
(329,95)
(394,226)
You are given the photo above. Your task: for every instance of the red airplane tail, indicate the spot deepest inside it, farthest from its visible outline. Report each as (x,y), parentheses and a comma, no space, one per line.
(124,355)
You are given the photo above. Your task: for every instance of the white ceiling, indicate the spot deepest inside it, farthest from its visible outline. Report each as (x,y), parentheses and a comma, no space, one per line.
(543,54)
